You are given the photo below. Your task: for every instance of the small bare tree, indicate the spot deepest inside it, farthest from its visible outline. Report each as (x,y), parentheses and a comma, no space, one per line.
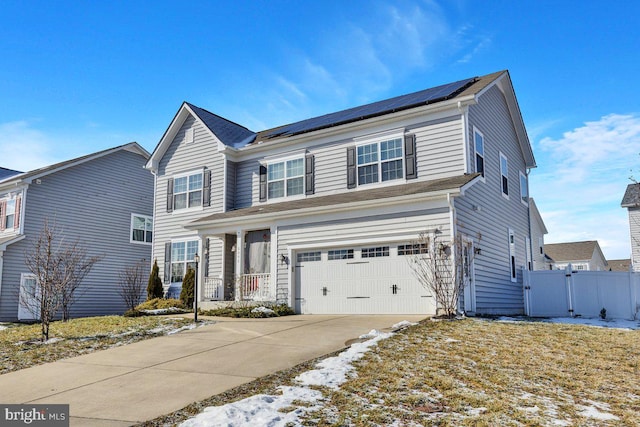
(442,267)
(58,269)
(132,284)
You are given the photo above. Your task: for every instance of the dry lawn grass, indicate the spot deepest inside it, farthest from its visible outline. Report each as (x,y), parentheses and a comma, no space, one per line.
(488,373)
(20,346)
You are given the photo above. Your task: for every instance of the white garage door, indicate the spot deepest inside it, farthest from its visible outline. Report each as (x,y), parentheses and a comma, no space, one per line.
(360,280)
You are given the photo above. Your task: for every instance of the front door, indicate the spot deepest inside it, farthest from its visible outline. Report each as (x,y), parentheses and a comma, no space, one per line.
(29,306)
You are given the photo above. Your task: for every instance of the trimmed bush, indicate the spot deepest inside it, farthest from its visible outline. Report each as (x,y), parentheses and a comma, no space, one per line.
(188,286)
(133,313)
(154,286)
(160,303)
(247,312)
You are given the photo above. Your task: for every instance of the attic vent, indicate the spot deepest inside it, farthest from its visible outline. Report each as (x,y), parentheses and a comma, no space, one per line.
(188,136)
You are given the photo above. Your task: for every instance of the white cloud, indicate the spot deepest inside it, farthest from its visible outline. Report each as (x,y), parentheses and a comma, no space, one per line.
(24,148)
(581,179)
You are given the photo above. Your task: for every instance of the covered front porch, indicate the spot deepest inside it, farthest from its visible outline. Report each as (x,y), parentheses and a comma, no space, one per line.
(237,267)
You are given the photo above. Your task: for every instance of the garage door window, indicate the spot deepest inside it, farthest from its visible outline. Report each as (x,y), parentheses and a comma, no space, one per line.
(308,256)
(375,252)
(413,249)
(340,254)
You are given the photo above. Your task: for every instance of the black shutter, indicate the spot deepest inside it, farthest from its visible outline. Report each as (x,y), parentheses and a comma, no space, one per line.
(410,156)
(263,183)
(167,263)
(351,167)
(170,195)
(206,188)
(309,183)
(206,258)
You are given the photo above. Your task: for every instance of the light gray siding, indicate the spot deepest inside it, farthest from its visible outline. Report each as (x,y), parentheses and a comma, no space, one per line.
(634,225)
(91,202)
(485,215)
(182,157)
(231,185)
(248,183)
(439,149)
(343,232)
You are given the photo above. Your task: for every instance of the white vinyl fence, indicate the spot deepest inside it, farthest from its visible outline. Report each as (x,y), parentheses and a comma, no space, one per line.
(566,293)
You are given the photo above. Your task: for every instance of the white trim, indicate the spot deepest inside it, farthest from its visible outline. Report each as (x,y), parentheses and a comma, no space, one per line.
(185,261)
(285,179)
(273,235)
(526,181)
(187,175)
(502,156)
(29,314)
(399,236)
(224,183)
(281,157)
(146,217)
(528,251)
(382,137)
(465,139)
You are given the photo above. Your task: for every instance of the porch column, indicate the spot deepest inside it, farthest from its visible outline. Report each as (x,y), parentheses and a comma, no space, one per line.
(239,261)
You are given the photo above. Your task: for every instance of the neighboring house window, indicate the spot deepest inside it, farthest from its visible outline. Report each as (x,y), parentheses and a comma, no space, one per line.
(512,255)
(580,267)
(340,254)
(141,228)
(504,172)
(541,245)
(479,149)
(182,257)
(375,252)
(189,190)
(380,161)
(524,190)
(285,178)
(10,213)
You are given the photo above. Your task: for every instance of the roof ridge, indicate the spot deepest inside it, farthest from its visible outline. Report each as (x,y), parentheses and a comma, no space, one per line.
(195,107)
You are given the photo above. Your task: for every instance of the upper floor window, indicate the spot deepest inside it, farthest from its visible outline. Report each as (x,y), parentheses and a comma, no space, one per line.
(285,178)
(190,190)
(10,213)
(524,189)
(380,161)
(141,228)
(504,172)
(479,149)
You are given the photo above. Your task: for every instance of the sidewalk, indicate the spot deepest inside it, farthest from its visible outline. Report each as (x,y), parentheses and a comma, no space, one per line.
(137,382)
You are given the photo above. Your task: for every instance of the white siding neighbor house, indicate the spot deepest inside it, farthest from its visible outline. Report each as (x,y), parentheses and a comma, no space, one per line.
(631,201)
(583,256)
(323,214)
(103,200)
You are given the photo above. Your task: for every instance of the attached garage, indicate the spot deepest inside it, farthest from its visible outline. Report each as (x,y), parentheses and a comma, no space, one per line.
(373,279)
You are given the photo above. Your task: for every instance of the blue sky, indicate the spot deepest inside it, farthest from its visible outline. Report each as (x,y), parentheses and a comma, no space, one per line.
(77,77)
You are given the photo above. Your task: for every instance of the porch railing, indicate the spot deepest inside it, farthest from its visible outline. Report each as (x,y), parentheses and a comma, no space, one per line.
(213,289)
(254,287)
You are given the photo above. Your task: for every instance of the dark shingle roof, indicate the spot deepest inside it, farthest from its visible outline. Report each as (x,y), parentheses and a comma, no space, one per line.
(228,132)
(631,196)
(6,173)
(344,198)
(619,264)
(572,251)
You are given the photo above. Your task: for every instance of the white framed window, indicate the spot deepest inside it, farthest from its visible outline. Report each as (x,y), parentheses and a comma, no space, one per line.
(380,161)
(340,254)
(478,144)
(524,189)
(512,256)
(182,257)
(285,178)
(10,214)
(187,191)
(189,135)
(375,252)
(504,173)
(141,229)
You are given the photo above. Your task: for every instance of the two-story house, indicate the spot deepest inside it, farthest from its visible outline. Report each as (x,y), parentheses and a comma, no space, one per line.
(103,200)
(323,214)
(583,256)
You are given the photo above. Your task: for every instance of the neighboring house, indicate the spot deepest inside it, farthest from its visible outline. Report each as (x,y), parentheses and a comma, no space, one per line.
(104,200)
(619,264)
(585,256)
(323,214)
(631,201)
(538,230)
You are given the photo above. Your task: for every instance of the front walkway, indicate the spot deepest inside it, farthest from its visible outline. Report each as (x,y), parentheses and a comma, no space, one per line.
(141,381)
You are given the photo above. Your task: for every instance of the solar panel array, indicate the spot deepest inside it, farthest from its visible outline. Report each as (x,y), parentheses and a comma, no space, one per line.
(422,97)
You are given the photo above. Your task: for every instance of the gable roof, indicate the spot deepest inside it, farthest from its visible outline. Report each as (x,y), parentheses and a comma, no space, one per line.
(619,264)
(631,197)
(572,251)
(6,173)
(36,173)
(333,202)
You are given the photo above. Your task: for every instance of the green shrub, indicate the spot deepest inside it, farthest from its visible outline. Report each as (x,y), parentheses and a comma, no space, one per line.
(247,312)
(154,286)
(188,285)
(133,313)
(160,303)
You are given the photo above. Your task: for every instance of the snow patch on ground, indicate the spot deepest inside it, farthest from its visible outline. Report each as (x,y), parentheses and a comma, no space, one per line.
(2,327)
(185,328)
(596,411)
(159,311)
(402,325)
(600,323)
(264,410)
(263,310)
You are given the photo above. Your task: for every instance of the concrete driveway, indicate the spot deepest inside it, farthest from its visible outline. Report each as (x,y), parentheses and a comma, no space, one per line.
(137,382)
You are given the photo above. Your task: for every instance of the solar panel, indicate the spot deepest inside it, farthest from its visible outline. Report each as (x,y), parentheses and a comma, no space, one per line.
(370,110)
